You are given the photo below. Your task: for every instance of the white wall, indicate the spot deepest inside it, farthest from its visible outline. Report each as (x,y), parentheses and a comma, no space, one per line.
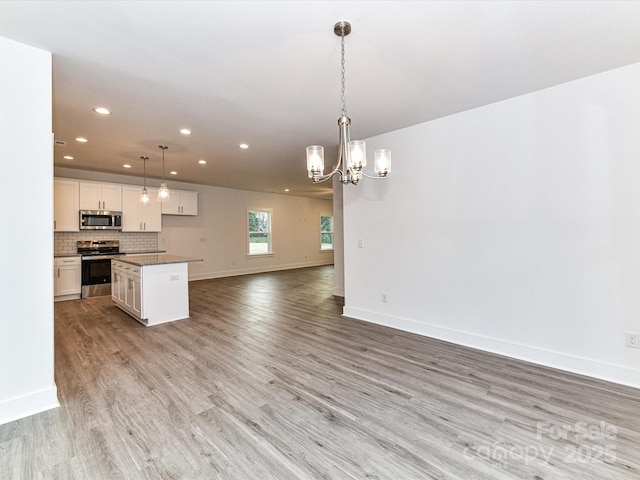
(513,228)
(218,234)
(26,254)
(338,238)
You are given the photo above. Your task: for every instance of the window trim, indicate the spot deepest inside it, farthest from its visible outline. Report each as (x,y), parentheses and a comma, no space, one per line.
(332,232)
(269,252)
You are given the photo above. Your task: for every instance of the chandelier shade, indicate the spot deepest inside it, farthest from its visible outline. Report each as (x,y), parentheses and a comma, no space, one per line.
(382,161)
(352,154)
(315,159)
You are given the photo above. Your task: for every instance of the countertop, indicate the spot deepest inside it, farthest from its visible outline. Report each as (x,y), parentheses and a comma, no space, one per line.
(155,259)
(144,252)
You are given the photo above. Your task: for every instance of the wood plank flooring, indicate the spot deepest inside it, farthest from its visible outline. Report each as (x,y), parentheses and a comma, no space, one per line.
(266,380)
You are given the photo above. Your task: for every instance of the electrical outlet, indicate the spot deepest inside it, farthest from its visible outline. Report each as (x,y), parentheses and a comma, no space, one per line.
(632,339)
(360,243)
(383,297)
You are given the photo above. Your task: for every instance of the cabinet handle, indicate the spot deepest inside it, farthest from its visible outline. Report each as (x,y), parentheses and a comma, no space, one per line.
(145,225)
(54,224)
(58,272)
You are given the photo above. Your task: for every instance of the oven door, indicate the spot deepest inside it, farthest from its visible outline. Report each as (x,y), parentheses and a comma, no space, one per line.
(96,277)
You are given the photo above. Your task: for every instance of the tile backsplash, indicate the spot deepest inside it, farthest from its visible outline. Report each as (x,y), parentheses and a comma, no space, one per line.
(64,243)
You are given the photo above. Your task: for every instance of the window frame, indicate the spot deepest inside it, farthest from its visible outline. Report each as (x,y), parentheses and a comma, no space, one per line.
(269,233)
(325,232)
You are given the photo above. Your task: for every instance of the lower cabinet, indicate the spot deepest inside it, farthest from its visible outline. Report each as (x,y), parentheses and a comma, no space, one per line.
(126,287)
(67,276)
(132,294)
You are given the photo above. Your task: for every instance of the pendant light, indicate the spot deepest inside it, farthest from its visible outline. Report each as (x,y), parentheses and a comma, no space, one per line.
(163,193)
(351,153)
(144,195)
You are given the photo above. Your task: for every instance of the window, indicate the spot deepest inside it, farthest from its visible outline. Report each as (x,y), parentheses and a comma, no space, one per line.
(326,233)
(259,232)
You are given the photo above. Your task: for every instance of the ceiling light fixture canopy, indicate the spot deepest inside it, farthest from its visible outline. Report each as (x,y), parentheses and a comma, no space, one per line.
(351,154)
(144,194)
(163,193)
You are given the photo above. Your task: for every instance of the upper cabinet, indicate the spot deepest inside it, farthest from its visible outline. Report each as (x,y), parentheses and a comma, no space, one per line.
(66,201)
(182,202)
(100,196)
(139,217)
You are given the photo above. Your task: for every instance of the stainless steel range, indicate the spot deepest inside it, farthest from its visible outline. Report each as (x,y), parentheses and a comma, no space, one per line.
(96,265)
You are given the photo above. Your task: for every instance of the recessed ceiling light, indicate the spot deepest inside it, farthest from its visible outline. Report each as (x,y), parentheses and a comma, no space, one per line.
(126,165)
(286,189)
(244,146)
(81,140)
(185,131)
(173,172)
(102,111)
(68,157)
(202,162)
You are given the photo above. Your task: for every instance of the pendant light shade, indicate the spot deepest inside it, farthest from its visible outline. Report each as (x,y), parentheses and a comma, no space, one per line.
(163,193)
(144,194)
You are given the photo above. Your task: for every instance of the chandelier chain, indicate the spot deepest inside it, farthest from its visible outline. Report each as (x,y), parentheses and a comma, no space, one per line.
(342,70)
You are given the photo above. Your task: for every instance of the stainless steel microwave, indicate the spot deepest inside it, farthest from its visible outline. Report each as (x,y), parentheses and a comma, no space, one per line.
(100,220)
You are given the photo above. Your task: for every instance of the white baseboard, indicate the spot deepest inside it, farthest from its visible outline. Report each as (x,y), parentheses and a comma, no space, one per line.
(548,358)
(30,404)
(250,271)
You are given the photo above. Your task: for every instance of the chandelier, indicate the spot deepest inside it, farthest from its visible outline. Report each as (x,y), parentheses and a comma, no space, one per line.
(352,155)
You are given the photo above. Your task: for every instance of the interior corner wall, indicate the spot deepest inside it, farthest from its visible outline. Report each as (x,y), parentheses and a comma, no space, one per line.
(512,228)
(26,189)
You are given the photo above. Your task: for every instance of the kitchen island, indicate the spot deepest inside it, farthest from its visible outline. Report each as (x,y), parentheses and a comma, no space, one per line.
(152,288)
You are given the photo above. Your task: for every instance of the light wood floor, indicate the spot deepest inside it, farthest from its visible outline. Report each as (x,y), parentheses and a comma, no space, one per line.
(268,381)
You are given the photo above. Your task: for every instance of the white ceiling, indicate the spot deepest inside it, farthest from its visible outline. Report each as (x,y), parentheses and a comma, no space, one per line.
(267,73)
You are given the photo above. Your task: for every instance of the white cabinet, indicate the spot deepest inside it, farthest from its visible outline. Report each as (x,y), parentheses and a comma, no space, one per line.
(182,202)
(133,295)
(66,201)
(126,287)
(100,196)
(139,217)
(67,274)
(117,283)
